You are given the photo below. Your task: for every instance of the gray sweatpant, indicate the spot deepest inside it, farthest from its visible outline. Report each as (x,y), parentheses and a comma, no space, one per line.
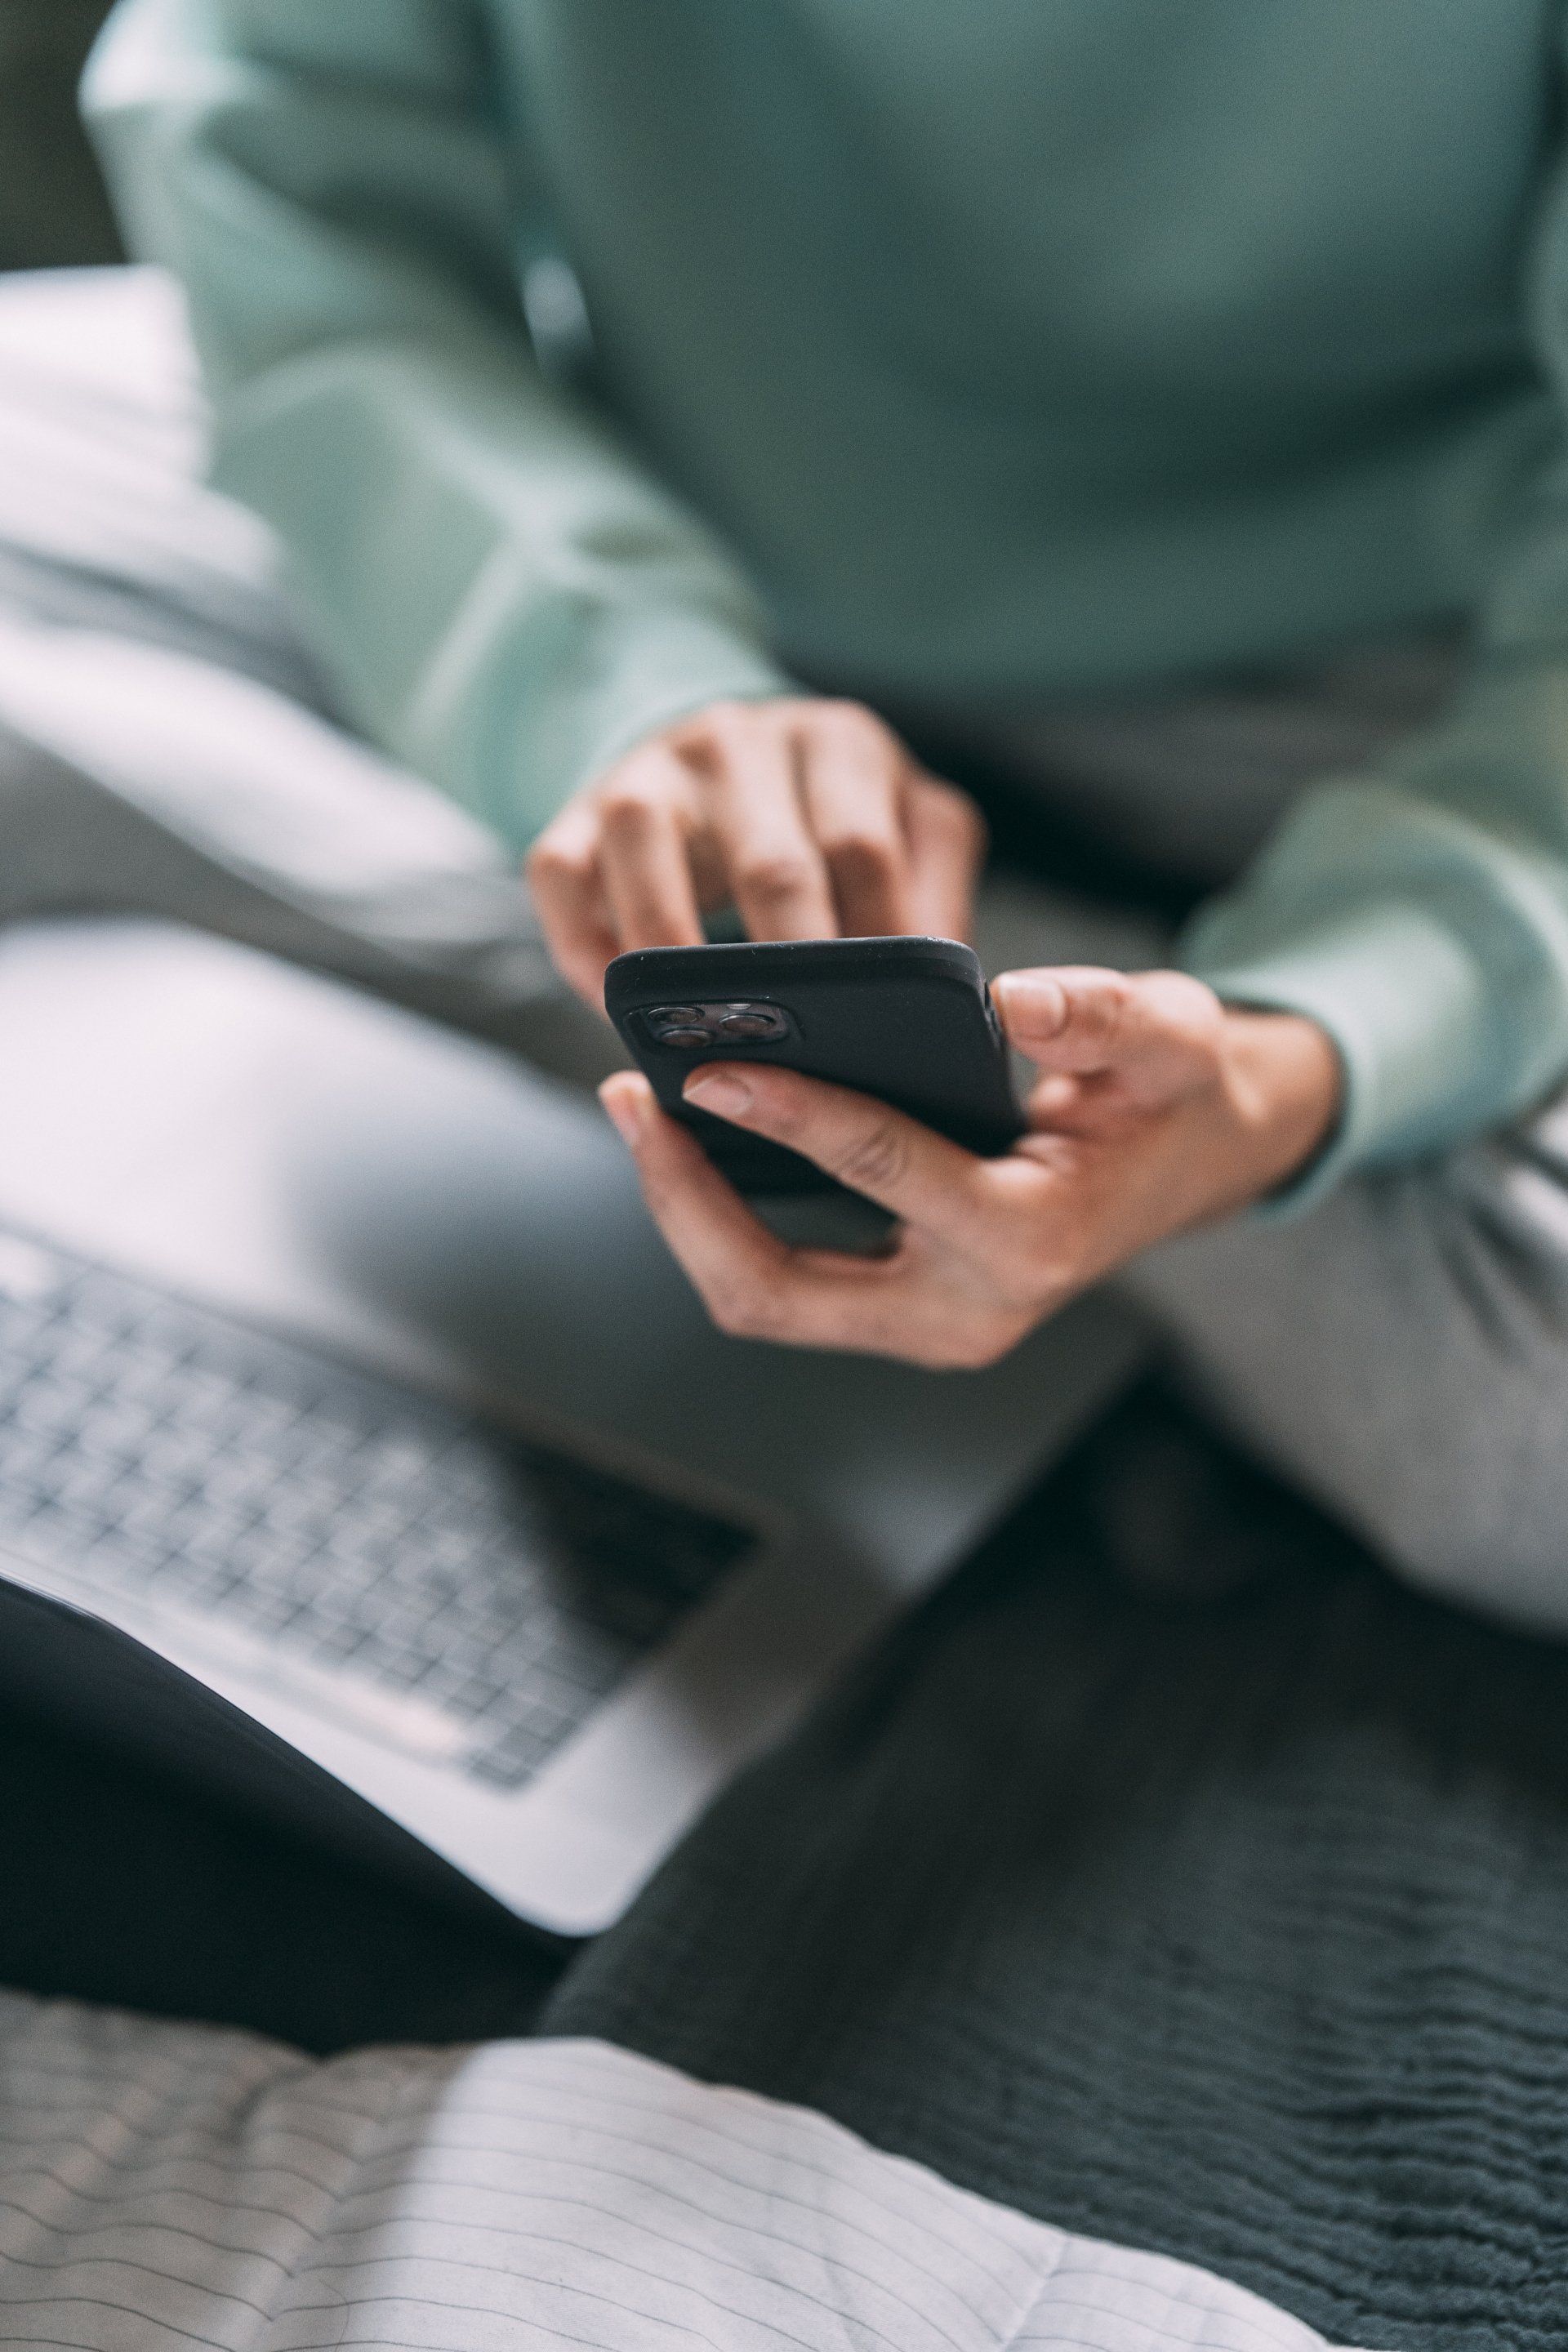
(1401,1351)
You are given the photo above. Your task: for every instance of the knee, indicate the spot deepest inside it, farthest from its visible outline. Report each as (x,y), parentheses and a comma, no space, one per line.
(1403,1355)
(1484,1529)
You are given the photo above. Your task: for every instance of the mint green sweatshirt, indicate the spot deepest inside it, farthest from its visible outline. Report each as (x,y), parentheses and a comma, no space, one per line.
(970,353)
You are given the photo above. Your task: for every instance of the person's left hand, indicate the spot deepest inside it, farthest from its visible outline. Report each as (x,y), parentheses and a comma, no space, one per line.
(1157,1109)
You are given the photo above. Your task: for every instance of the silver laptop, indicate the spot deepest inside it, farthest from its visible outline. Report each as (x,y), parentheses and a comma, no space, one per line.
(362,1452)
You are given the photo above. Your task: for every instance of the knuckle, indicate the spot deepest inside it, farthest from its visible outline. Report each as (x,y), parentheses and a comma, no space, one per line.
(853,728)
(773,876)
(1098,1012)
(876,1160)
(861,852)
(629,802)
(787,1119)
(550,861)
(730,726)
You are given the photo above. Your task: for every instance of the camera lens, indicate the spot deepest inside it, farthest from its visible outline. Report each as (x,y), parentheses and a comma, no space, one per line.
(738,1021)
(680,1024)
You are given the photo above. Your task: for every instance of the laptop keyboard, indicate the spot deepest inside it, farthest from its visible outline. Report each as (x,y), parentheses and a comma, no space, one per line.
(388,1541)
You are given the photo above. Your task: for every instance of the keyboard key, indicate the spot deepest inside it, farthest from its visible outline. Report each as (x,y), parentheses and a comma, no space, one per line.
(170,1452)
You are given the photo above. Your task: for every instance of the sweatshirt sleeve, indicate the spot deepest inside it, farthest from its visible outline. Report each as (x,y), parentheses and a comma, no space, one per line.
(1420,914)
(507,598)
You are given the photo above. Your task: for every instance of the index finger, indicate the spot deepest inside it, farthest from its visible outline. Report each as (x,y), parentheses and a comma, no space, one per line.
(865,1144)
(752,1284)
(774,867)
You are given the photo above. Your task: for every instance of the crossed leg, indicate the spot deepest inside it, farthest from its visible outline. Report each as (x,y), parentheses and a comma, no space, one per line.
(1401,1353)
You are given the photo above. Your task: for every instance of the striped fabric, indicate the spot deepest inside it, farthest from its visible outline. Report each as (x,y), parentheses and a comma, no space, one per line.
(165,2186)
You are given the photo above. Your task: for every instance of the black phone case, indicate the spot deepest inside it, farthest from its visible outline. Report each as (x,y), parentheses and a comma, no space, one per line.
(908,1020)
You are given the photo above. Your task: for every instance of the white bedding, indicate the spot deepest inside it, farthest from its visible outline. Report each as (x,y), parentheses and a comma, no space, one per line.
(169,2186)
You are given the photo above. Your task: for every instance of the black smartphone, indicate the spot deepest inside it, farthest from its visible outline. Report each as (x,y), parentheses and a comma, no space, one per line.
(908,1020)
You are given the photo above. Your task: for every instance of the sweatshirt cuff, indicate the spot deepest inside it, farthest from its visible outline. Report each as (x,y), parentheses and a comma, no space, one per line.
(1406,1007)
(677,662)
(515,744)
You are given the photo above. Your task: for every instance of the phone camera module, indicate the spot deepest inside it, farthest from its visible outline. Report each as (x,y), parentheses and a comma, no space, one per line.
(680,1024)
(751,1021)
(695,1026)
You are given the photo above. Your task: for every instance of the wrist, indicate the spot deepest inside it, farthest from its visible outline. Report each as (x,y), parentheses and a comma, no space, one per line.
(1285,1087)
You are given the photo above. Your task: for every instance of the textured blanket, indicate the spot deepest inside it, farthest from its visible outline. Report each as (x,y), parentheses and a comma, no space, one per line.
(1225,1918)
(1232,1924)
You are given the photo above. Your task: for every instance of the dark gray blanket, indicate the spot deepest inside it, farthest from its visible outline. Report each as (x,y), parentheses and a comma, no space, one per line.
(1235,1927)
(1230,1922)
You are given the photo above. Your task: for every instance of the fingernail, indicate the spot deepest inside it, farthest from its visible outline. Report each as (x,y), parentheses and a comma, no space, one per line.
(720,1091)
(1032,1001)
(624,1108)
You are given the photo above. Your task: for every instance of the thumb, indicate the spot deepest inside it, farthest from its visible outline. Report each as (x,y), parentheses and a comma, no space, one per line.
(1155,1031)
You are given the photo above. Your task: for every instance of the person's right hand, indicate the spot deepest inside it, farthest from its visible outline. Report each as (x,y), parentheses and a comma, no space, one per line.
(811,818)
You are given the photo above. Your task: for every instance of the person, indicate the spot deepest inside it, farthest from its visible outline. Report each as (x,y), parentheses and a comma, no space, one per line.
(679,422)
